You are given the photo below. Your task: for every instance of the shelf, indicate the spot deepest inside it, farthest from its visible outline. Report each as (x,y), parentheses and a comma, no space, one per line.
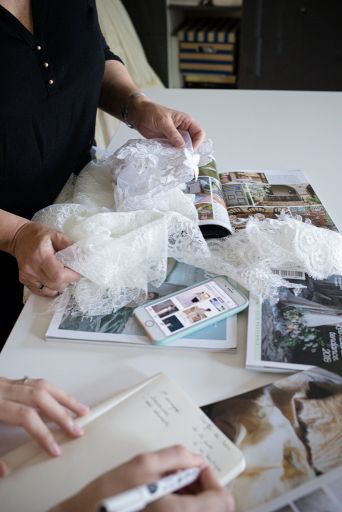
(200,10)
(157,23)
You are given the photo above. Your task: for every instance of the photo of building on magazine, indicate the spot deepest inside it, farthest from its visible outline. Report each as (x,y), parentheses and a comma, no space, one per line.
(266,194)
(290,433)
(226,199)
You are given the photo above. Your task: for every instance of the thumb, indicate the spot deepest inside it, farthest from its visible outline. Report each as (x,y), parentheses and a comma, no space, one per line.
(208,480)
(4,471)
(60,241)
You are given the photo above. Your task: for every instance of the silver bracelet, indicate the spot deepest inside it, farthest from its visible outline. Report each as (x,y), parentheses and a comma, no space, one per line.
(125,108)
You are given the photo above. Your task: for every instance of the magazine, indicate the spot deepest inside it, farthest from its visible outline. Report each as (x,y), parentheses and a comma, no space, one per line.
(151,415)
(290,433)
(122,328)
(302,329)
(225,200)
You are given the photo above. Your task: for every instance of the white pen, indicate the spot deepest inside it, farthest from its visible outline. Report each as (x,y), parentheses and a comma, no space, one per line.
(137,498)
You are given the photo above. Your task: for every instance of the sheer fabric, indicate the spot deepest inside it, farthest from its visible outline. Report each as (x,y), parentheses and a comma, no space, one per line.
(127,214)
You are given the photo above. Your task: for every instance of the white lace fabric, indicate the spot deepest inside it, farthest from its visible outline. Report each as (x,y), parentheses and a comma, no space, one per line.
(127,214)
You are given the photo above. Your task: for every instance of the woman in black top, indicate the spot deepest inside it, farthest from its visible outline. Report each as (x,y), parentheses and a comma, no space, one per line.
(55,70)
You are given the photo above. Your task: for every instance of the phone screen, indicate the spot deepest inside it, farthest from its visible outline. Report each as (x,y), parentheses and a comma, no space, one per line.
(190,307)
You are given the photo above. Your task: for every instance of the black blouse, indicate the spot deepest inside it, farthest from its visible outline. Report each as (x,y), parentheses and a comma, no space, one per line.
(49,91)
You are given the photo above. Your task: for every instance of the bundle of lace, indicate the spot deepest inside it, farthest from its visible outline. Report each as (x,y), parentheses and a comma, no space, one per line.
(251,256)
(127,214)
(119,253)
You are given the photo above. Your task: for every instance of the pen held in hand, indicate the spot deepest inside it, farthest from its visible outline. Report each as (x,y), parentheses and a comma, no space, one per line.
(137,498)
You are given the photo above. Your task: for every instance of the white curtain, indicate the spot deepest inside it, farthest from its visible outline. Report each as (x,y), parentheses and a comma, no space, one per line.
(123,40)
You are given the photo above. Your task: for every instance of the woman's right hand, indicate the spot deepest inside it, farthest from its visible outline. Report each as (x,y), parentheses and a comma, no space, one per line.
(206,494)
(34,246)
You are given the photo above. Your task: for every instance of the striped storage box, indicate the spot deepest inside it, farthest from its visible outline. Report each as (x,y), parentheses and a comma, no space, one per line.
(208,48)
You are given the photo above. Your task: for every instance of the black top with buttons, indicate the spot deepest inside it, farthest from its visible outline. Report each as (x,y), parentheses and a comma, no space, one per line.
(49,91)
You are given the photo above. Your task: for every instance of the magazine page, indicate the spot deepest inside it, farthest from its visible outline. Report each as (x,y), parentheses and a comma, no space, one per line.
(324,494)
(265,194)
(154,415)
(209,202)
(301,329)
(121,326)
(290,433)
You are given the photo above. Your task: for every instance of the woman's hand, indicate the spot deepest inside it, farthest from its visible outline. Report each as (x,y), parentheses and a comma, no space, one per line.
(209,496)
(150,119)
(24,402)
(34,246)
(206,495)
(156,121)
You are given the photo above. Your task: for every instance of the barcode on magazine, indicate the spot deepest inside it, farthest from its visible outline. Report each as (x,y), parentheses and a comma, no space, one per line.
(289,274)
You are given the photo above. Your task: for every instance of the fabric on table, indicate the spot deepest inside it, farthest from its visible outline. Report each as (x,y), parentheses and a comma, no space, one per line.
(128,215)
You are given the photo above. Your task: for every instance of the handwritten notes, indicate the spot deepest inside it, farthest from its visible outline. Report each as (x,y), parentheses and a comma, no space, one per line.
(168,409)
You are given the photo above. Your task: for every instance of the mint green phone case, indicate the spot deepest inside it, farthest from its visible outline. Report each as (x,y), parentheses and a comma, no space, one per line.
(184,332)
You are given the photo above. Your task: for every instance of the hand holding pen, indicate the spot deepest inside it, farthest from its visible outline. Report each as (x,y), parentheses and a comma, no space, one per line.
(205,494)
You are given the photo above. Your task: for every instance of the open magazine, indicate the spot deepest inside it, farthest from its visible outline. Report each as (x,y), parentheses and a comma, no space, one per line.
(304,328)
(122,328)
(290,434)
(225,200)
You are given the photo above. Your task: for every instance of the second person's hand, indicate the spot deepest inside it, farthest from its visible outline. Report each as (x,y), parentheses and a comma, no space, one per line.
(205,495)
(25,402)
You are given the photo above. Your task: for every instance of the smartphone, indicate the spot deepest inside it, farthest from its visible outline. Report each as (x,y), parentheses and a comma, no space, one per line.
(179,314)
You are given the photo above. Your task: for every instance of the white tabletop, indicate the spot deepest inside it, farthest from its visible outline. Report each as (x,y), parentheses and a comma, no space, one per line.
(250,130)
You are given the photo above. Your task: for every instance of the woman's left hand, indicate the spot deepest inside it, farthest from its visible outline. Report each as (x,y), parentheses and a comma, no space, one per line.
(156,121)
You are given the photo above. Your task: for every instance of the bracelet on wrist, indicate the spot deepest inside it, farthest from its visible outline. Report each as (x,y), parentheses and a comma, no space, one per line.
(126,107)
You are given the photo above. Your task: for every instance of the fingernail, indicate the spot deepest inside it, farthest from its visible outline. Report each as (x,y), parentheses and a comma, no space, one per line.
(75,429)
(82,409)
(55,450)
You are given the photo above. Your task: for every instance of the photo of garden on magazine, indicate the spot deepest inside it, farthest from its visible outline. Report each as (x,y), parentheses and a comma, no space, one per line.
(290,433)
(300,330)
(121,327)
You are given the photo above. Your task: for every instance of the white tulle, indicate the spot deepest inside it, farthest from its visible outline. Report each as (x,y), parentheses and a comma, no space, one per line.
(127,215)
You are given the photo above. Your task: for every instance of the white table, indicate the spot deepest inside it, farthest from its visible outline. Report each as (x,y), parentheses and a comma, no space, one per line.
(250,130)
